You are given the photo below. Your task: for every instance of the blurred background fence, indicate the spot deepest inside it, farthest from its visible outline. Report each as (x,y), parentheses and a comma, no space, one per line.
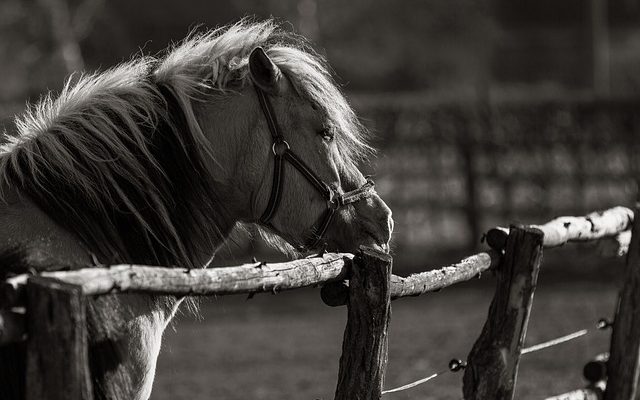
(483,112)
(450,171)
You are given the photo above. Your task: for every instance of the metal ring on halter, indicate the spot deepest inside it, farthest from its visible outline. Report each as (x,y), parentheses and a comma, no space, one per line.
(334,204)
(334,201)
(284,149)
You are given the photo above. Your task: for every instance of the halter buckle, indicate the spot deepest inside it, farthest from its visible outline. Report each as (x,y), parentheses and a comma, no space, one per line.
(335,200)
(280,147)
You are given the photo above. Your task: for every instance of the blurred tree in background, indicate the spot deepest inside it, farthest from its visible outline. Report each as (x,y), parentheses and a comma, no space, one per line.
(40,43)
(25,47)
(452,46)
(487,110)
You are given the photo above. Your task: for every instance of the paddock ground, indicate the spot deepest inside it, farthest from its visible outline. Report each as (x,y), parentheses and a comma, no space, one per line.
(287,346)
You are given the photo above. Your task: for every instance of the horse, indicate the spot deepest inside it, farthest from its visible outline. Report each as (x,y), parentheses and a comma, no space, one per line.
(155,160)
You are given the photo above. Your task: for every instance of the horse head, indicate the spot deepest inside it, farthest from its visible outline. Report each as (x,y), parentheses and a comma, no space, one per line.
(295,146)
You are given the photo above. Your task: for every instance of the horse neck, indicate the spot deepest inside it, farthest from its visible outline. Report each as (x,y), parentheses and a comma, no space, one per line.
(228,123)
(37,240)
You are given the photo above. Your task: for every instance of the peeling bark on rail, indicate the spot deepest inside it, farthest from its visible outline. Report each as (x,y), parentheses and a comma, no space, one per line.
(248,278)
(244,279)
(331,270)
(615,246)
(591,392)
(336,293)
(559,231)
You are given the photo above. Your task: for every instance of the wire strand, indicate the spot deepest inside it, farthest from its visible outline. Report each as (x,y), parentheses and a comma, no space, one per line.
(554,342)
(415,383)
(526,350)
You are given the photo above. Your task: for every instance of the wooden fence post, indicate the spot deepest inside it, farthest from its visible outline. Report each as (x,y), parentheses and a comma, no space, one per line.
(12,371)
(57,352)
(493,361)
(364,349)
(624,362)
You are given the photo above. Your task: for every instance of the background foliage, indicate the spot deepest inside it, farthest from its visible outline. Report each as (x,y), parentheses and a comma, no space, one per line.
(485,111)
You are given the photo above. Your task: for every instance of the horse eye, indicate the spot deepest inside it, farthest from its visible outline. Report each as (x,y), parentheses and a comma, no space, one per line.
(327,135)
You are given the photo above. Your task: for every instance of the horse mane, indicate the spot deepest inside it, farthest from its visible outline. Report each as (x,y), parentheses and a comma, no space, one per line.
(118,157)
(217,60)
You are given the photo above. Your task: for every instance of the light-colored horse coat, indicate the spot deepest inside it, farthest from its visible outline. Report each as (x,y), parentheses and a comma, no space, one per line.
(155,161)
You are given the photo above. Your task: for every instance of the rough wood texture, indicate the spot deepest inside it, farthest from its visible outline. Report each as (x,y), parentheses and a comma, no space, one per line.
(13,371)
(12,355)
(624,361)
(248,278)
(364,349)
(57,352)
(336,293)
(615,246)
(493,361)
(12,327)
(559,231)
(591,392)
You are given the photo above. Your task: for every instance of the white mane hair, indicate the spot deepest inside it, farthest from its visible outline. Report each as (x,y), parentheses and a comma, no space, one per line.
(216,59)
(123,139)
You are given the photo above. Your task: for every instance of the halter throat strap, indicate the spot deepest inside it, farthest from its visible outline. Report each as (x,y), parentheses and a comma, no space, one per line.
(281,152)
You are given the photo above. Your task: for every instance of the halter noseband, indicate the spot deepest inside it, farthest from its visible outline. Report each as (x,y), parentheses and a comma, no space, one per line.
(282,151)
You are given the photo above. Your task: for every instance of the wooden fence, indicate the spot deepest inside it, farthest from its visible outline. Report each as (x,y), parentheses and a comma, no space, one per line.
(450,170)
(56,338)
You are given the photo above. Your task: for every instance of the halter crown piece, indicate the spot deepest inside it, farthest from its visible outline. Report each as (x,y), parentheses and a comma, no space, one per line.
(282,151)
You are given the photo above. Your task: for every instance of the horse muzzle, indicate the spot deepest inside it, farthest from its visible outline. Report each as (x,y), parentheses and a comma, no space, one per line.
(367,222)
(376,222)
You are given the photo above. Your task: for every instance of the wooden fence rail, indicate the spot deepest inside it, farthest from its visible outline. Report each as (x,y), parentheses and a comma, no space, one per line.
(562,230)
(362,282)
(246,279)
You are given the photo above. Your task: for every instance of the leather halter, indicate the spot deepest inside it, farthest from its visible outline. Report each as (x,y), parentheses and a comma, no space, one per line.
(282,151)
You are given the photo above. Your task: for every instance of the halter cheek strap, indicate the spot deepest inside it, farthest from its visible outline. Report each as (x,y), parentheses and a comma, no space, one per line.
(281,152)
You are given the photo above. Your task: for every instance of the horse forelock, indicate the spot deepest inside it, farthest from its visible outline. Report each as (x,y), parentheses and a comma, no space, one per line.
(310,75)
(216,61)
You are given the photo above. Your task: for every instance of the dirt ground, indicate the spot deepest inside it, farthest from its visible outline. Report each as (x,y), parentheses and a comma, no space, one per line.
(287,346)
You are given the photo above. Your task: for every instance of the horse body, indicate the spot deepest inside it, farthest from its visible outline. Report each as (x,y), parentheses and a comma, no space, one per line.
(125,330)
(155,161)
(43,242)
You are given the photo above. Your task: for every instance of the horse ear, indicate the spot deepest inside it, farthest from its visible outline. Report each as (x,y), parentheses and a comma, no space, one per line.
(264,72)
